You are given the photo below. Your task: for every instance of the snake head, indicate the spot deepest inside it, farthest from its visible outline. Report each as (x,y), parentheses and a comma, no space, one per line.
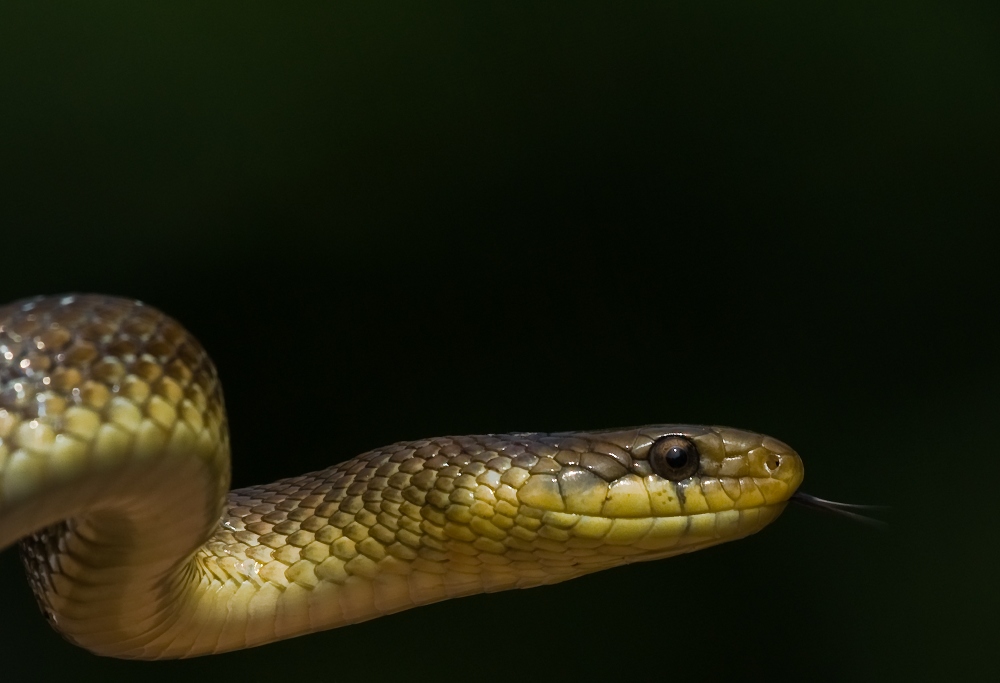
(656,491)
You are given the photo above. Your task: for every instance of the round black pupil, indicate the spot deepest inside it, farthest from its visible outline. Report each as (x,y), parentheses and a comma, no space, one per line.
(676,457)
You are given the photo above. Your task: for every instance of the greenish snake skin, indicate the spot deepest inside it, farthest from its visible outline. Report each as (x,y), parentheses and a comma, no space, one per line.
(114,470)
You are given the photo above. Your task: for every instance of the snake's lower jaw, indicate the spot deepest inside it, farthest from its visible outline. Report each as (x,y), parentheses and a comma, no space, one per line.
(599,542)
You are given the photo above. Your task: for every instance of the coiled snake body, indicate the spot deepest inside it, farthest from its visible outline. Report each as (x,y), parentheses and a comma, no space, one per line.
(114,470)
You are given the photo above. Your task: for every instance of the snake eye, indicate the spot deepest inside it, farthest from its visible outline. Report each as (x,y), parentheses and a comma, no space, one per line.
(674,457)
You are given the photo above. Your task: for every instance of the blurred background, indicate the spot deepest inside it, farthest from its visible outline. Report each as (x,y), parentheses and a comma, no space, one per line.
(390,222)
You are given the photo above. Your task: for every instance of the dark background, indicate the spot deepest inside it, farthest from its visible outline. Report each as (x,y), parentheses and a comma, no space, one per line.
(391,222)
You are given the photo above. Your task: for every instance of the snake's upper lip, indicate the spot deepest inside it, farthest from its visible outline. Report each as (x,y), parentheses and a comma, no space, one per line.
(843,509)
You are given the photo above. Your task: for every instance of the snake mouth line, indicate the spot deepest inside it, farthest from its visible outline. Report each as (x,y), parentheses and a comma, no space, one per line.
(714,526)
(689,515)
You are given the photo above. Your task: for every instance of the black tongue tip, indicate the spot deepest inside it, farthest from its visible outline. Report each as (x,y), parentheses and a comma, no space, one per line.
(843,509)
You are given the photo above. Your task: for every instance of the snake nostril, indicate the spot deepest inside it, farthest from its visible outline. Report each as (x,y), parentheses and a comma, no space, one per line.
(772,462)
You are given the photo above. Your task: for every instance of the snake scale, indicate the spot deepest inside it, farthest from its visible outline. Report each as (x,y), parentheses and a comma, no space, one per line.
(114,470)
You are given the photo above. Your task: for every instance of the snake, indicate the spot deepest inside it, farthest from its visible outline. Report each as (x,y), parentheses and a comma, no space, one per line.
(115,472)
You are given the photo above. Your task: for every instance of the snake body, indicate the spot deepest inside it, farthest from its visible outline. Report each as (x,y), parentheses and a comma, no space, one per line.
(114,470)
